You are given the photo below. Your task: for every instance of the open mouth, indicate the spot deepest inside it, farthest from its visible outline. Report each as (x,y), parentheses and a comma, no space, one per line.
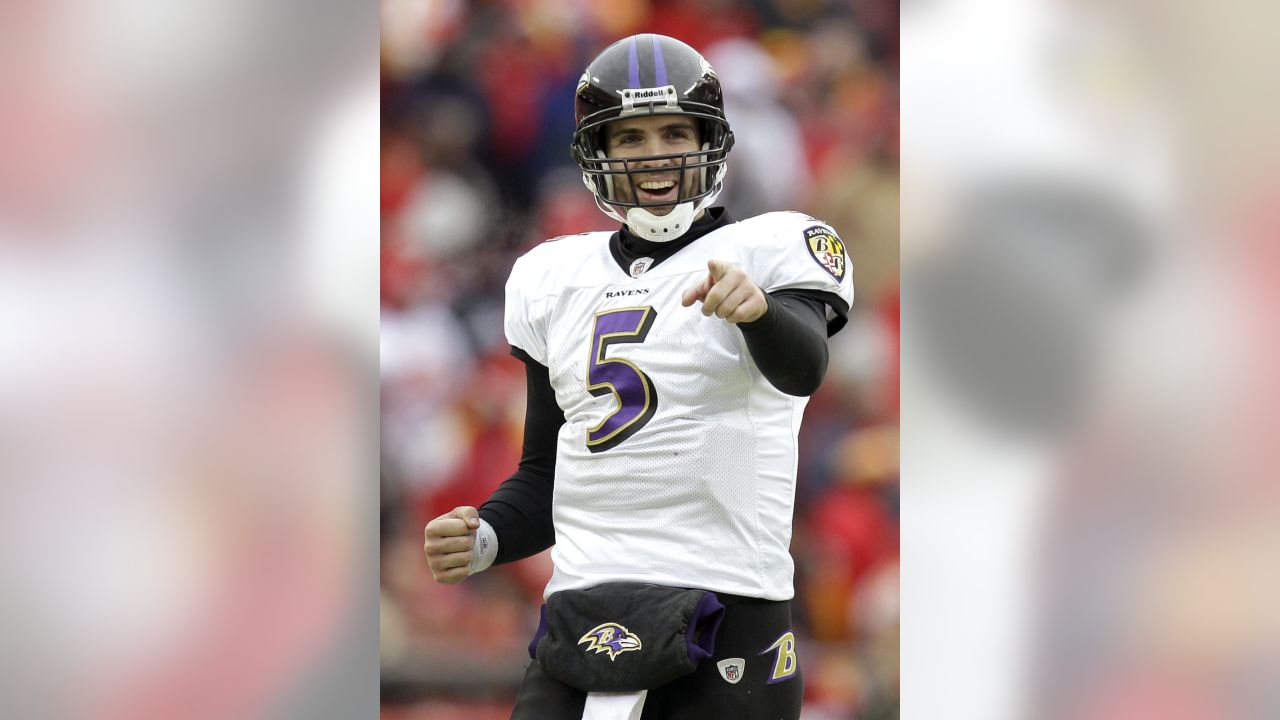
(657,191)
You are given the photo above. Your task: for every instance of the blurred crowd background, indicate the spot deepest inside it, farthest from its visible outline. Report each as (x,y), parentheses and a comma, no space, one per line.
(477,114)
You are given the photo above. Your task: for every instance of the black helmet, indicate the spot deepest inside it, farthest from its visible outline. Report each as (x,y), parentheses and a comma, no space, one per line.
(651,75)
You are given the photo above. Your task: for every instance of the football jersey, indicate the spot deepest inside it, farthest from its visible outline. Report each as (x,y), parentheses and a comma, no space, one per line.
(676,464)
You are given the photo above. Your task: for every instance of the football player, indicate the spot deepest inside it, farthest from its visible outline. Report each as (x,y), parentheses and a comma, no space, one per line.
(669,363)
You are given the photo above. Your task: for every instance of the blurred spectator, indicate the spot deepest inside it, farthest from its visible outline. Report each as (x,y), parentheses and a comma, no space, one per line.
(770,172)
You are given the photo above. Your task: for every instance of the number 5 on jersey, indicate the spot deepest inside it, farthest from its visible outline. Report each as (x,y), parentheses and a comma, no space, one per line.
(633,390)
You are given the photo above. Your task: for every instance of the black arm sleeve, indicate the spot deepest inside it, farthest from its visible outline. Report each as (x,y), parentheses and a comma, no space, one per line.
(789,342)
(520,509)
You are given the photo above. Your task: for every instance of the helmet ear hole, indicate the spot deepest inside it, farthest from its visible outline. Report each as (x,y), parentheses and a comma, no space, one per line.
(608,179)
(702,172)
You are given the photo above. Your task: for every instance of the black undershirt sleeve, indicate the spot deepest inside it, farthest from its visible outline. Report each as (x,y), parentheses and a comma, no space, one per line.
(520,509)
(789,342)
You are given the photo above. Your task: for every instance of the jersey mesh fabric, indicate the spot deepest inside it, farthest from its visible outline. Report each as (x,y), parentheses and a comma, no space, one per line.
(701,495)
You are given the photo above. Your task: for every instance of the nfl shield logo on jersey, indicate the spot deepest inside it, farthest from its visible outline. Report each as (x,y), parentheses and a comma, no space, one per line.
(731,669)
(640,266)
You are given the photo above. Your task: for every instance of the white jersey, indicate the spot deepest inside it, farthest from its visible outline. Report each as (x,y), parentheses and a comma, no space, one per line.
(676,464)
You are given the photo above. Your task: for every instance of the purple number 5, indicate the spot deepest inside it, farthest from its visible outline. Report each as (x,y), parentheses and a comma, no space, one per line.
(637,399)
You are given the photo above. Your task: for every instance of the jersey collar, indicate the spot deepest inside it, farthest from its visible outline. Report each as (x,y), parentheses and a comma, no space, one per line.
(626,248)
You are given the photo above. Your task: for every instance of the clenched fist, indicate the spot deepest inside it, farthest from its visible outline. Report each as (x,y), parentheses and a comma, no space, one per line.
(450,541)
(727,292)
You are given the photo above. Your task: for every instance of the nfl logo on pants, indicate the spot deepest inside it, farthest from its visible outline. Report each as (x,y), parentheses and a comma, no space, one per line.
(731,669)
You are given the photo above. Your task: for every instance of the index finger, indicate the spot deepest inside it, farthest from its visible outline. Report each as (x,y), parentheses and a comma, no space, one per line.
(718,268)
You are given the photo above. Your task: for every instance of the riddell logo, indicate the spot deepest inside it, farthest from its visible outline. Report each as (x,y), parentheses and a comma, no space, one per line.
(647,98)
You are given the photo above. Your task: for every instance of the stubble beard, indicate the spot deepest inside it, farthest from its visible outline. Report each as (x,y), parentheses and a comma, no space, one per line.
(628,194)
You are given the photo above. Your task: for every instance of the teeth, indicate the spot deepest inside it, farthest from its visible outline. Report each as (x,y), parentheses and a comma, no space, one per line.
(655,185)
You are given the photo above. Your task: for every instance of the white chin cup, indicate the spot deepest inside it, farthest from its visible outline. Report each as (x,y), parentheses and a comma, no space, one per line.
(661,228)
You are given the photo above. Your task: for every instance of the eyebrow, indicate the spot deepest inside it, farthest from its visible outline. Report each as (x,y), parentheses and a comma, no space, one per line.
(678,125)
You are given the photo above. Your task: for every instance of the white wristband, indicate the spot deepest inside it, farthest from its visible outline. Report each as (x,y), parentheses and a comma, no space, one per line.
(485,548)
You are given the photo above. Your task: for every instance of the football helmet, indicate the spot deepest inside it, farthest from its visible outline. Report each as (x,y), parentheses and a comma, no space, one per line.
(651,75)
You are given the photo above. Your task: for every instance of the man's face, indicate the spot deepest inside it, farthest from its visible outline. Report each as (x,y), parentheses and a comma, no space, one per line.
(653,135)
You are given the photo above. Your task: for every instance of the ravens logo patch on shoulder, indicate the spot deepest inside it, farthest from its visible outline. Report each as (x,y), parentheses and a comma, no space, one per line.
(827,250)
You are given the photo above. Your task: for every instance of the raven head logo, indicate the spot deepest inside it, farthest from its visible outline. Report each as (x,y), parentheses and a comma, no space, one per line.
(610,638)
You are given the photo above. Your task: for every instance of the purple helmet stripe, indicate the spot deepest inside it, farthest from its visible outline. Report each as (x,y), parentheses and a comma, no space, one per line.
(633,75)
(659,69)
